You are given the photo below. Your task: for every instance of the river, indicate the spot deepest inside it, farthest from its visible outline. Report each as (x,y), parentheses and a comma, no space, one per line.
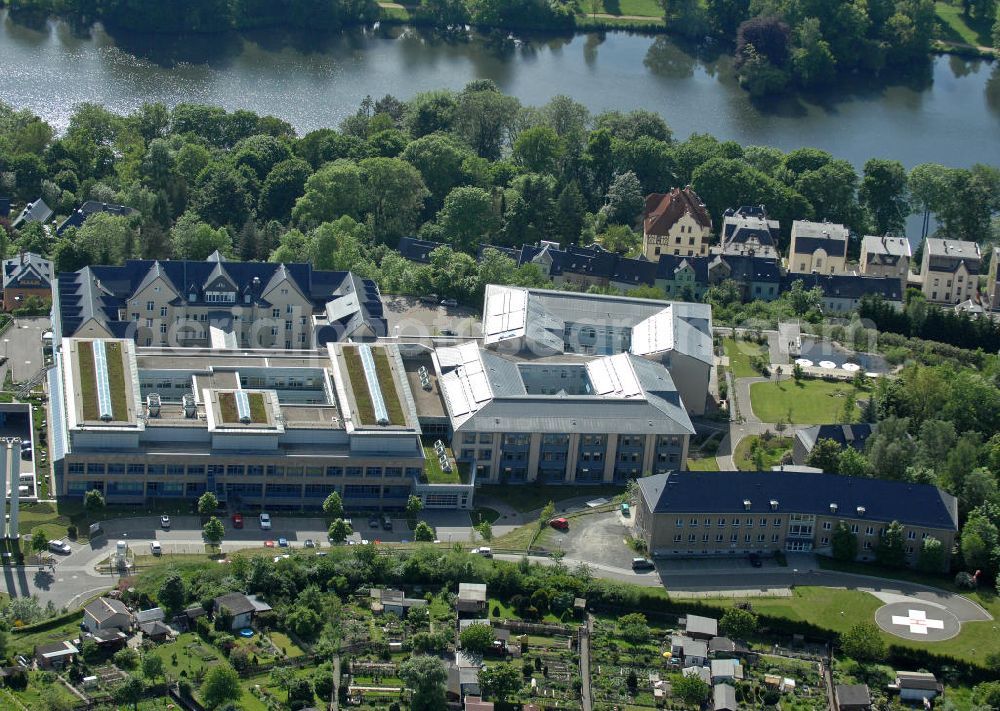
(948,112)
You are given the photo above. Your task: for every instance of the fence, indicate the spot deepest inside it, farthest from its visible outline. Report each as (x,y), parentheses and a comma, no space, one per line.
(292,663)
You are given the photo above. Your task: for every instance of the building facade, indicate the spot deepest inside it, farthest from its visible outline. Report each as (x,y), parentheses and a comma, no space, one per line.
(817,248)
(675,223)
(24,276)
(561,420)
(261,429)
(885,256)
(950,270)
(217,303)
(736,513)
(749,231)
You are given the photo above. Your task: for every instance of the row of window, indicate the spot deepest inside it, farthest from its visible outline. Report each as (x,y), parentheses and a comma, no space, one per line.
(720,538)
(722,522)
(236,470)
(157,489)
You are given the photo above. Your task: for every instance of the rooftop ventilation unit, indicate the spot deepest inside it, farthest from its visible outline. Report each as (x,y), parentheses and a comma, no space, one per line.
(243,406)
(774,504)
(187,402)
(378,402)
(103,384)
(746,504)
(153,404)
(833,508)
(861,511)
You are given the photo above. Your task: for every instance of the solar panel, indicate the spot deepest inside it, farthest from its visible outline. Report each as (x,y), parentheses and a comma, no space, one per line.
(103,383)
(243,406)
(378,402)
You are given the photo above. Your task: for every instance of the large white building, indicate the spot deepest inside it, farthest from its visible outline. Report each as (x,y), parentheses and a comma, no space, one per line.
(536,323)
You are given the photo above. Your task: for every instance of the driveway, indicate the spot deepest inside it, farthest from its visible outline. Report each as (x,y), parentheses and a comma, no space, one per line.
(596,538)
(22,344)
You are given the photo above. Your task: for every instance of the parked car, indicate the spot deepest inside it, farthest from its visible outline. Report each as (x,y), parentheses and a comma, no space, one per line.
(560,524)
(448,332)
(165,522)
(429,299)
(373,521)
(155,548)
(449,302)
(642,564)
(265,522)
(61,546)
(484,551)
(309,543)
(269,544)
(26,453)
(754,560)
(386,522)
(283,542)
(237,520)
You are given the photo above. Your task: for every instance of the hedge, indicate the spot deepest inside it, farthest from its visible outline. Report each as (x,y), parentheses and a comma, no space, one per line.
(49,624)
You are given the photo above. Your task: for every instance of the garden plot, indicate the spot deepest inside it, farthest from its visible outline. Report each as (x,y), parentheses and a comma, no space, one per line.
(550,664)
(626,658)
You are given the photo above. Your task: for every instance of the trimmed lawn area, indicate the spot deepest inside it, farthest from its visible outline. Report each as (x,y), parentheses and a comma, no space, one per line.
(774,450)
(283,642)
(836,610)
(705,464)
(519,539)
(32,696)
(643,8)
(359,385)
(116,381)
(88,380)
(739,354)
(807,402)
(955,27)
(532,497)
(25,643)
(230,413)
(433,472)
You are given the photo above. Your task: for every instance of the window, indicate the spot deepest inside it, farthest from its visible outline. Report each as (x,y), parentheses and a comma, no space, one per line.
(693,523)
(722,523)
(680,523)
(149,306)
(163,312)
(704,538)
(276,313)
(854,528)
(868,545)
(777,522)
(746,538)
(289,309)
(163,328)
(149,323)
(774,538)
(824,540)
(870,531)
(763,522)
(734,538)
(827,525)
(760,537)
(691,538)
(736,523)
(911,535)
(677,538)
(718,538)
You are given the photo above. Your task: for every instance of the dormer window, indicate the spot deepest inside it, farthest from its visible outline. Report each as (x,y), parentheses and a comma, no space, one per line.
(220,297)
(192,297)
(246,298)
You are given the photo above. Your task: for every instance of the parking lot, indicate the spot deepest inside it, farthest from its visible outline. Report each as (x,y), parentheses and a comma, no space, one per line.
(595,538)
(22,346)
(409,318)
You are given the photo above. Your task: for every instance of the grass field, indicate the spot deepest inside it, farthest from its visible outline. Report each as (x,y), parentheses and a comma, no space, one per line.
(638,8)
(433,471)
(955,27)
(774,450)
(808,402)
(739,354)
(705,464)
(532,497)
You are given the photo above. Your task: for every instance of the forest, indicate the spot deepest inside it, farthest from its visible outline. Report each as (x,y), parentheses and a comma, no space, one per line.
(468,168)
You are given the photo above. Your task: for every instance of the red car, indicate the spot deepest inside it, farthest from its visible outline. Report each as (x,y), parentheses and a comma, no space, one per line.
(559,523)
(269,544)
(237,520)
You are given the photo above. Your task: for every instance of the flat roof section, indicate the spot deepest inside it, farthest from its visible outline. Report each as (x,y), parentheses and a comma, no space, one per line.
(361,387)
(257,411)
(103,391)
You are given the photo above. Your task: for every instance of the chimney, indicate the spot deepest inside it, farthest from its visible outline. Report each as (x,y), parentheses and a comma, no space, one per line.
(833,508)
(22,256)
(861,511)
(746,504)
(774,504)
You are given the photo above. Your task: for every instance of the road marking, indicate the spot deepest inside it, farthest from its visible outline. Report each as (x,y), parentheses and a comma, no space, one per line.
(918,622)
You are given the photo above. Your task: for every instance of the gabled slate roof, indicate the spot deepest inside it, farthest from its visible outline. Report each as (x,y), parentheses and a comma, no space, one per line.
(92,207)
(36,211)
(844,435)
(100,291)
(417,250)
(800,492)
(27,267)
(848,286)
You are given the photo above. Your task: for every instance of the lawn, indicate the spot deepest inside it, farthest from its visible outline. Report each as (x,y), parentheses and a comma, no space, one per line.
(705,464)
(388,385)
(774,450)
(956,27)
(638,8)
(230,413)
(807,402)
(33,698)
(116,381)
(283,642)
(433,472)
(519,539)
(25,643)
(532,497)
(833,609)
(739,354)
(359,385)
(192,654)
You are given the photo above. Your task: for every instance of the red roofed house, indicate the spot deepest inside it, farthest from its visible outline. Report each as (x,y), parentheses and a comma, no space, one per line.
(676,223)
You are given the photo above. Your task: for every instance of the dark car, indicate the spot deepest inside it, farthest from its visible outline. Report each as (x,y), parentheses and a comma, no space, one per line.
(373,521)
(642,564)
(754,560)
(386,522)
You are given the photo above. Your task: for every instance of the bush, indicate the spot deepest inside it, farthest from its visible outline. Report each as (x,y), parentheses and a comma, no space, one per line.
(71,532)
(127,659)
(965,581)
